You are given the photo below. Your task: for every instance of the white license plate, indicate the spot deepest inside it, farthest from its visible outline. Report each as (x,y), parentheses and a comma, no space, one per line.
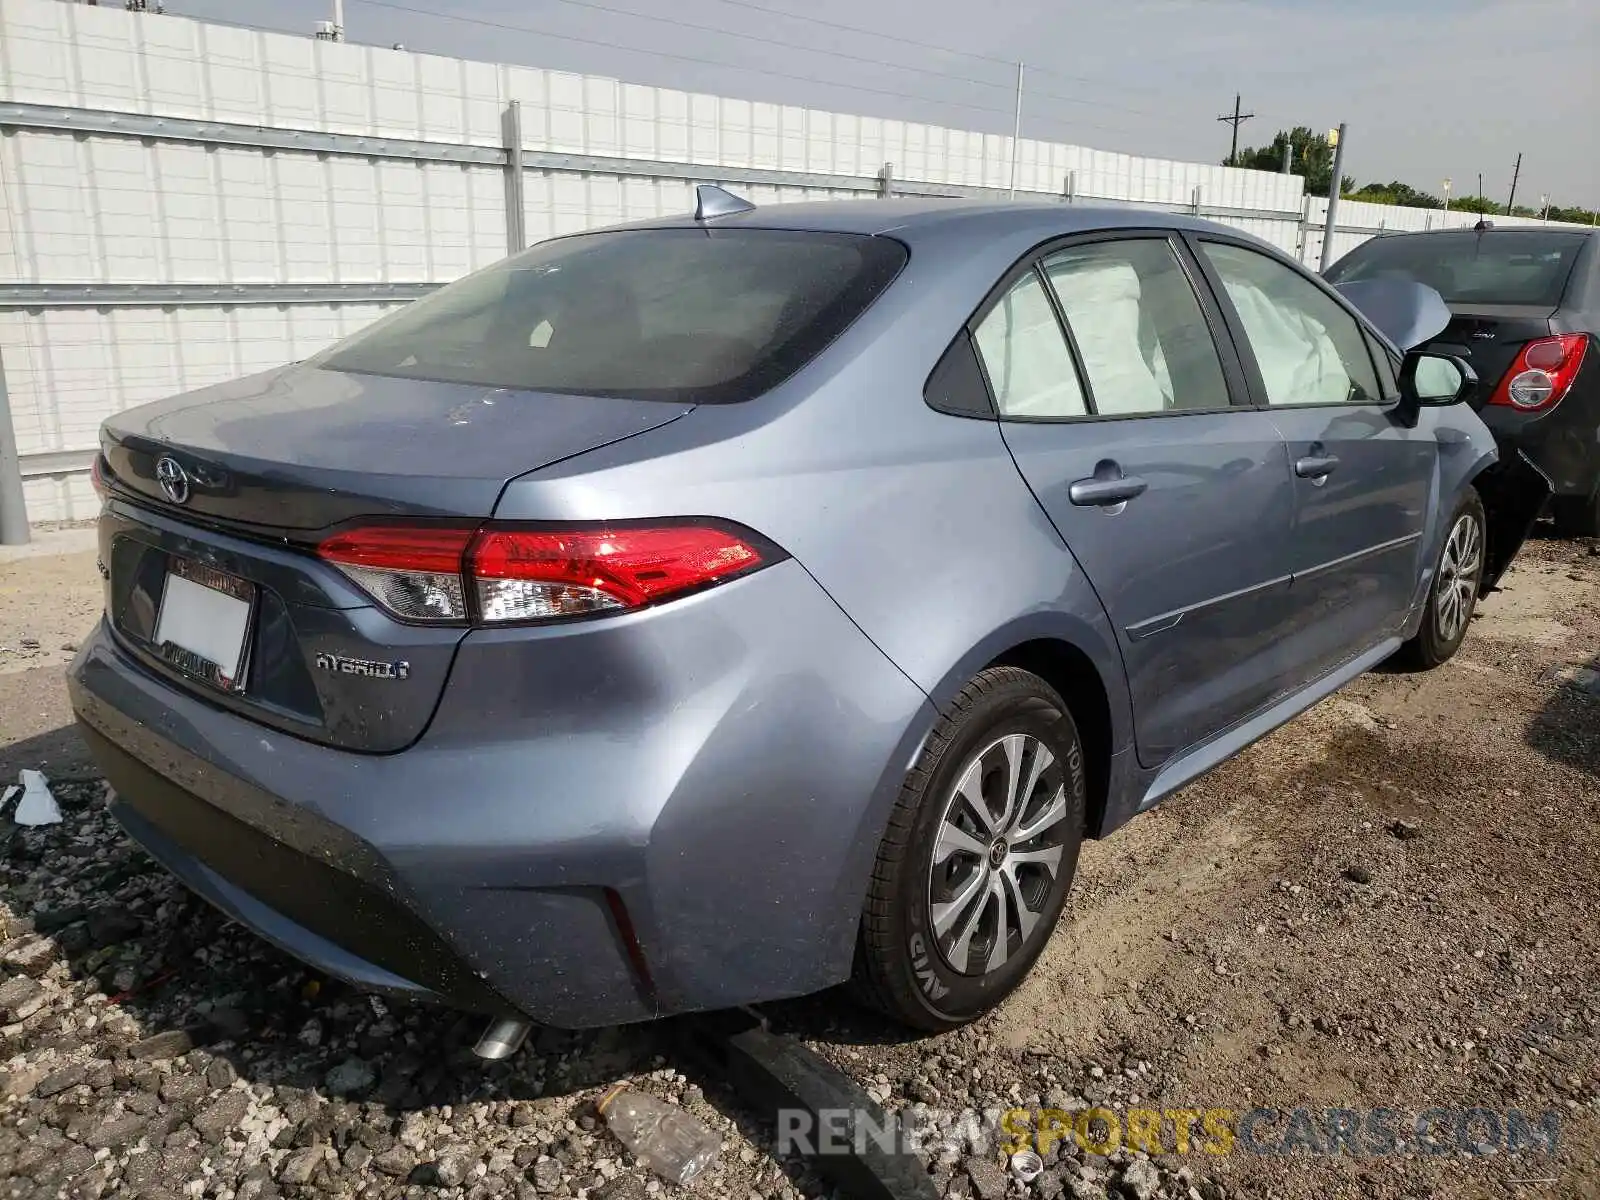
(203,628)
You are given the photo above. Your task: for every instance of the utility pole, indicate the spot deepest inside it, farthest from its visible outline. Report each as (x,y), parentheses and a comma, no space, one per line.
(1238,118)
(1544,203)
(1480,189)
(1016,134)
(1288,156)
(1511,204)
(1447,197)
(1333,196)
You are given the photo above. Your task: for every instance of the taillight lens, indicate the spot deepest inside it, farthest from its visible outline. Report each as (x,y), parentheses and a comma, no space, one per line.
(531,575)
(500,574)
(413,572)
(1542,374)
(97,475)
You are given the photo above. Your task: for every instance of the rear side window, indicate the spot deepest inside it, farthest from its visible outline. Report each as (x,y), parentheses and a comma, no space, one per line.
(703,316)
(1030,369)
(1508,267)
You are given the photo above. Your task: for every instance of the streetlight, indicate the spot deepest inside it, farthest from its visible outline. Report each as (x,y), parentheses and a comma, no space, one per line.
(1447,197)
(1544,205)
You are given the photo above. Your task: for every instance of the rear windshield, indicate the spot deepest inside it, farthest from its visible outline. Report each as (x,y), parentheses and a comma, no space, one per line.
(1509,267)
(707,316)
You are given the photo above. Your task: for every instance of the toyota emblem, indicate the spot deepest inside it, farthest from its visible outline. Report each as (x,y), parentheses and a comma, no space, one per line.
(174,480)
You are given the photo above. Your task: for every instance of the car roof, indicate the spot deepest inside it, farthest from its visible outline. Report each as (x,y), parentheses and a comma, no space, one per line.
(1572,230)
(925,217)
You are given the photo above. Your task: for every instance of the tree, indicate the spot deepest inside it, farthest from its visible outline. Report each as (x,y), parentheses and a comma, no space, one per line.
(1313,159)
(1476,204)
(1572,213)
(1395,192)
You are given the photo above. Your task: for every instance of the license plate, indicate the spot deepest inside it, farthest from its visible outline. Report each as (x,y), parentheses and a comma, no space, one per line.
(203,627)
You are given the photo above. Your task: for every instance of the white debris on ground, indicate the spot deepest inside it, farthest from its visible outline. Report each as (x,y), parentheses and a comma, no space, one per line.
(37,806)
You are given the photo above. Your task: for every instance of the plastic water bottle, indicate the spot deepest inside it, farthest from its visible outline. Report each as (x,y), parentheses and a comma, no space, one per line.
(666,1139)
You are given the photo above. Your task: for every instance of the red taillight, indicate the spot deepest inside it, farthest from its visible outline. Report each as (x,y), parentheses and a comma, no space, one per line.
(413,572)
(530,575)
(1543,373)
(499,574)
(97,475)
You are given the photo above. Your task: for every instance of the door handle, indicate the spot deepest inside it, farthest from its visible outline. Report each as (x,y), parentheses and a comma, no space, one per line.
(1101,491)
(1316,466)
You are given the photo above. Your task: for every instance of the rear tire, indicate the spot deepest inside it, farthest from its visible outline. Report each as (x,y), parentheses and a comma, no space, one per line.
(1457,578)
(978,858)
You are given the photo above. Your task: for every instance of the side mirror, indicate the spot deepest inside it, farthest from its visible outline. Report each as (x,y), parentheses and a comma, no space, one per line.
(1435,380)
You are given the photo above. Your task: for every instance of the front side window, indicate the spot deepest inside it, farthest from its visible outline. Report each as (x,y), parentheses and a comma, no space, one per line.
(1025,355)
(1139,327)
(695,315)
(1308,348)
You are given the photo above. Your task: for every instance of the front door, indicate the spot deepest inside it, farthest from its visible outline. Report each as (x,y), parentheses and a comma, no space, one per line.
(1362,478)
(1117,406)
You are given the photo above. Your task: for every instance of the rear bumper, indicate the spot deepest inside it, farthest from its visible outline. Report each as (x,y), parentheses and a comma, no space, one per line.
(659,813)
(1564,443)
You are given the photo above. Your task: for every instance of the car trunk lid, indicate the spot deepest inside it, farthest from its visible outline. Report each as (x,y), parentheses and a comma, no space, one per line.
(302,448)
(1489,336)
(213,581)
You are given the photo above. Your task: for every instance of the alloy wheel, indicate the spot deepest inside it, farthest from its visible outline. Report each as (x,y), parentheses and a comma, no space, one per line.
(998,853)
(1459,570)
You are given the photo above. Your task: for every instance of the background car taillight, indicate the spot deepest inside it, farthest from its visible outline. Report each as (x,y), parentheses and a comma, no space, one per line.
(1543,373)
(500,574)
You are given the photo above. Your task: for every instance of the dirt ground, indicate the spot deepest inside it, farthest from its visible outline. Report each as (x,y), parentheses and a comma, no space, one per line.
(1389,903)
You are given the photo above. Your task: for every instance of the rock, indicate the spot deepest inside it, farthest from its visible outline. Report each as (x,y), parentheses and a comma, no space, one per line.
(300,1166)
(449,1170)
(1049,1185)
(174,1043)
(357,1158)
(623,1187)
(221,1115)
(396,1161)
(181,1087)
(111,925)
(16,992)
(1141,1181)
(59,1081)
(693,1095)
(1085,1189)
(349,1078)
(1356,873)
(220,1074)
(988,1180)
(33,957)
(547,1174)
(18,1085)
(1405,830)
(116,1132)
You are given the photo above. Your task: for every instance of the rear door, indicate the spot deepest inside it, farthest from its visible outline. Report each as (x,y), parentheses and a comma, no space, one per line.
(1117,404)
(1363,481)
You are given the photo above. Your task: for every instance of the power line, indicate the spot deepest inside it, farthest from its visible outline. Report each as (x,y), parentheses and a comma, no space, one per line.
(595,6)
(905,41)
(711,62)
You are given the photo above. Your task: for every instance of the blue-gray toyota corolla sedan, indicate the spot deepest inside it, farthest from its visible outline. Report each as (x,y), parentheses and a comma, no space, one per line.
(715,609)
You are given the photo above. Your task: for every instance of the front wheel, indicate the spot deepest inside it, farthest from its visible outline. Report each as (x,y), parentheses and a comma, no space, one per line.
(978,857)
(1457,577)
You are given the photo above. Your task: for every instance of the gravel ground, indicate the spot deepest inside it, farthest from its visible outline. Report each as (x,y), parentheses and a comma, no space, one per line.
(1390,902)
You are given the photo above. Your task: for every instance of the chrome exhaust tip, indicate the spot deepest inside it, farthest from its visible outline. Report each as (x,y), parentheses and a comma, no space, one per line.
(503,1038)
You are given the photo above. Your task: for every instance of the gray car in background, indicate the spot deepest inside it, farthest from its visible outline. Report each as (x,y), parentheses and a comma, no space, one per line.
(715,609)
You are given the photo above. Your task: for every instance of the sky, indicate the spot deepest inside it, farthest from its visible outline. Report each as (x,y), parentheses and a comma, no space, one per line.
(1429,89)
